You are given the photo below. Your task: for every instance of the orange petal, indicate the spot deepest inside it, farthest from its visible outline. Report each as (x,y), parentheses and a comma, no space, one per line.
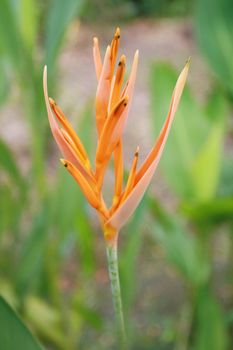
(97,58)
(87,189)
(104,149)
(64,147)
(111,92)
(73,146)
(70,131)
(114,49)
(126,209)
(118,131)
(103,92)
(119,171)
(115,96)
(132,176)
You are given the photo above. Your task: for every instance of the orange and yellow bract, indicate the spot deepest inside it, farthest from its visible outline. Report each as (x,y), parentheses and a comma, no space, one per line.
(113,100)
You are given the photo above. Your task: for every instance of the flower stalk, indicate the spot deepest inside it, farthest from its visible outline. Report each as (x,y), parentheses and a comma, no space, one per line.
(113,270)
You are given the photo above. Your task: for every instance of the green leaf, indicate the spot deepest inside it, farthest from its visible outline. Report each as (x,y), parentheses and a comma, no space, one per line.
(9,204)
(10,37)
(215,210)
(33,251)
(4,81)
(89,315)
(29,21)
(45,319)
(13,333)
(59,17)
(26,18)
(85,239)
(206,166)
(9,165)
(129,255)
(210,327)
(214,30)
(226,184)
(183,250)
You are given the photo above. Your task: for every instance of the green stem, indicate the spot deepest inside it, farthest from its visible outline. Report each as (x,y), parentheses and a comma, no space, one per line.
(116,293)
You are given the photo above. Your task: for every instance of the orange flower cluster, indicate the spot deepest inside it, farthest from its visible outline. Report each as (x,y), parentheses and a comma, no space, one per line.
(113,100)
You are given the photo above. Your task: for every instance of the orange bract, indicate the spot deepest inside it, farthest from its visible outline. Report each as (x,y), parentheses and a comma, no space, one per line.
(112,108)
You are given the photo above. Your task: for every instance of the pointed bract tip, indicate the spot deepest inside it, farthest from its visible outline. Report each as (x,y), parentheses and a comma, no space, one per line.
(64,162)
(137,151)
(52,102)
(95,40)
(117,33)
(45,71)
(122,60)
(135,59)
(126,100)
(188,62)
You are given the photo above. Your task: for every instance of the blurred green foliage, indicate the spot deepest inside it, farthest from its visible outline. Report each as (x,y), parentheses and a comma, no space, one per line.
(214,30)
(50,253)
(191,166)
(128,9)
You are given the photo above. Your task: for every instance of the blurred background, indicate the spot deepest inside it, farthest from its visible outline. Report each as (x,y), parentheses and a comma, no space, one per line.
(176,252)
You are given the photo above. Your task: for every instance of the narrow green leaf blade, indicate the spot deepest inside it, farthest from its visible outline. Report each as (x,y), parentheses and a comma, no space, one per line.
(182,249)
(214,30)
(59,17)
(33,252)
(211,330)
(10,36)
(13,333)
(206,165)
(8,163)
(4,81)
(29,21)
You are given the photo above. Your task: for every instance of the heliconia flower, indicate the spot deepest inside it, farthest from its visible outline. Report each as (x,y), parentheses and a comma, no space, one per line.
(113,100)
